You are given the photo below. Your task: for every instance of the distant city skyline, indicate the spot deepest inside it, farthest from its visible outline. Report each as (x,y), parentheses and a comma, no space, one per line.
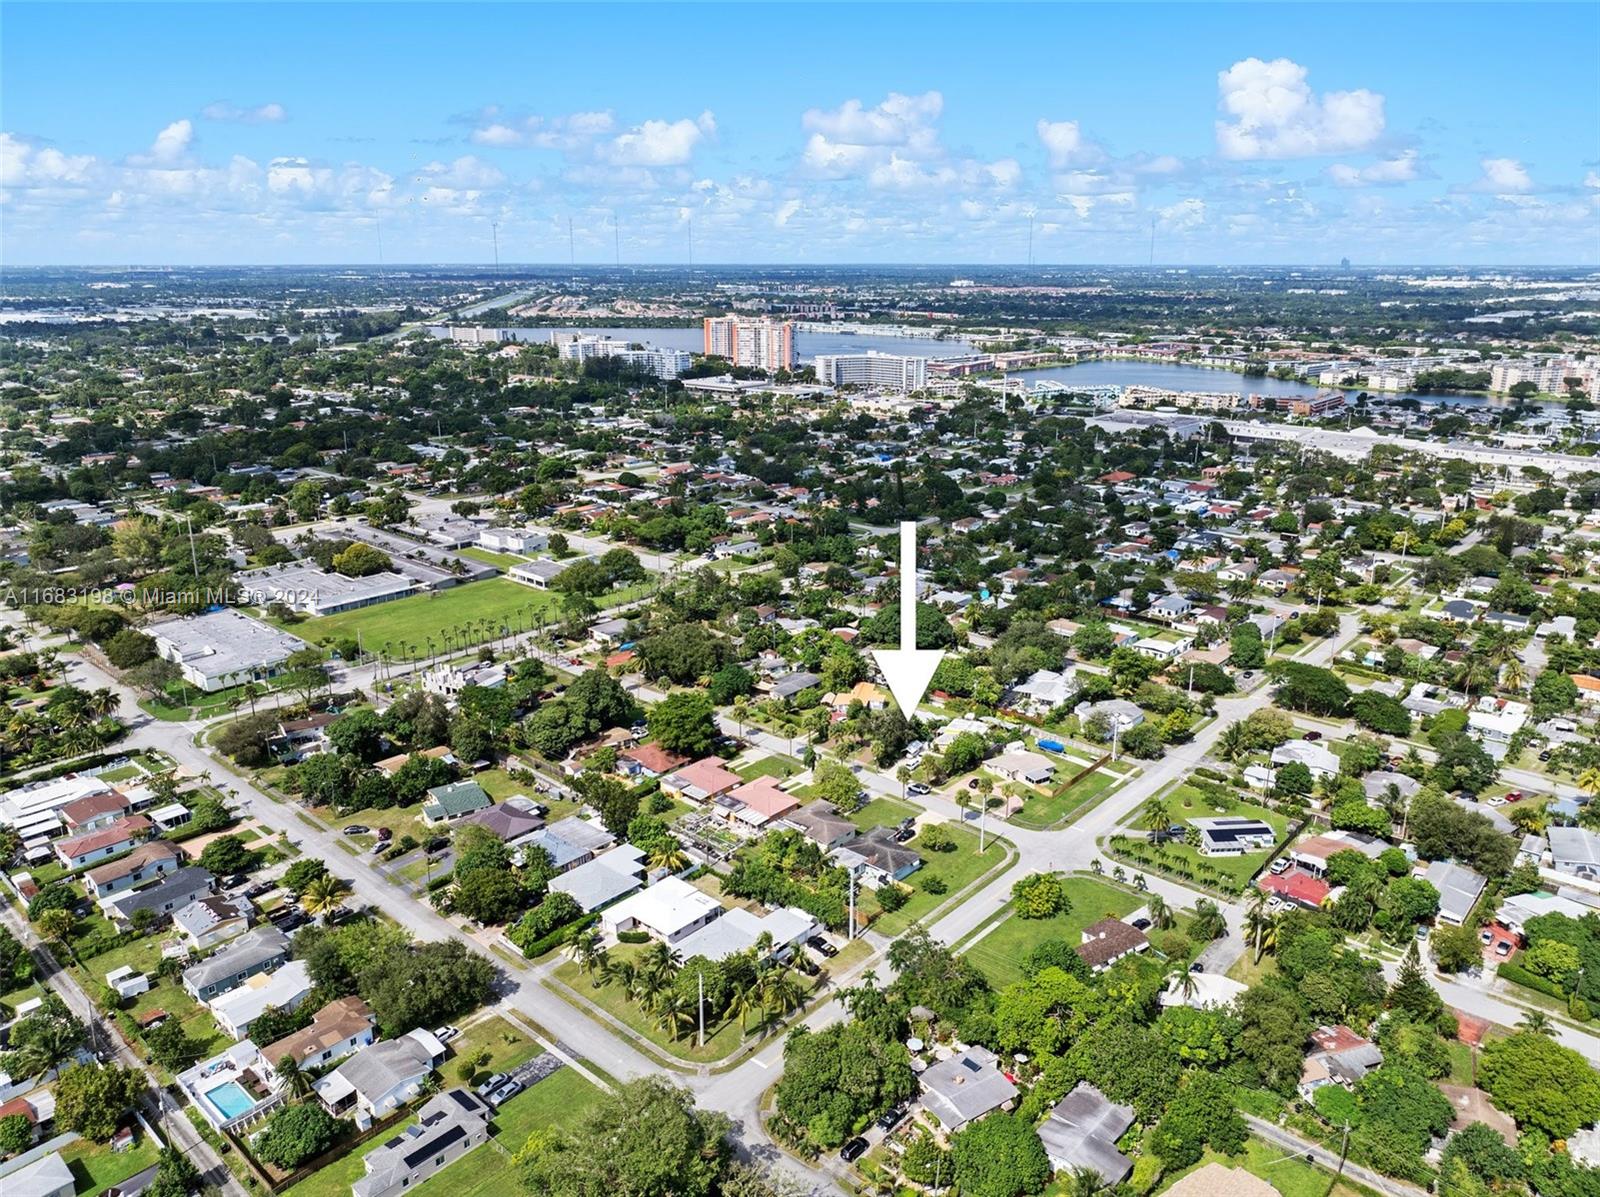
(817,134)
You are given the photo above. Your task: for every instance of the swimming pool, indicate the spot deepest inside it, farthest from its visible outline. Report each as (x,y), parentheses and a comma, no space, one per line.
(230,1099)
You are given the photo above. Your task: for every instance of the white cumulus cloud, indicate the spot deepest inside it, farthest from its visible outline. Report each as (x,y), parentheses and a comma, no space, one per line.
(172,143)
(895,146)
(1402,168)
(1066,144)
(24,165)
(573,131)
(1271,112)
(660,143)
(1503,176)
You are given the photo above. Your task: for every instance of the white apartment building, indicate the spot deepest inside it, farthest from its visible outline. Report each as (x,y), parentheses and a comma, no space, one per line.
(762,343)
(1548,374)
(663,363)
(879,371)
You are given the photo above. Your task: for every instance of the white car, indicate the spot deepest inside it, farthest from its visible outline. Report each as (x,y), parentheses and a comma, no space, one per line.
(1497,800)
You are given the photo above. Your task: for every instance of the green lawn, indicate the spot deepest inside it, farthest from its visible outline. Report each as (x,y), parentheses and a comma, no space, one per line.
(501,561)
(95,1167)
(958,869)
(999,954)
(415,621)
(779,767)
(336,1179)
(721,1038)
(883,812)
(1041,810)
(558,1100)
(1186,802)
(506,1044)
(1288,1173)
(144,955)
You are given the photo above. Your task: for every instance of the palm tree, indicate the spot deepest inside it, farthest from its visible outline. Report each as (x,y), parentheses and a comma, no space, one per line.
(1156,814)
(294,1079)
(324,895)
(1183,981)
(675,1013)
(1589,779)
(780,991)
(103,702)
(1538,1022)
(668,855)
(52,1043)
(585,949)
(1083,1182)
(903,776)
(744,998)
(1158,910)
(1263,930)
(56,926)
(1234,742)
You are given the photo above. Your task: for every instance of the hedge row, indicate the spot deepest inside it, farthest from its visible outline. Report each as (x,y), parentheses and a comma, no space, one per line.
(1516,974)
(561,935)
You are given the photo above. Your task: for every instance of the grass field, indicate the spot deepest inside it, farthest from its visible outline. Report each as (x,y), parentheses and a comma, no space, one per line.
(336,1179)
(506,1044)
(1044,810)
(957,869)
(501,561)
(95,1167)
(721,1038)
(1287,1173)
(414,621)
(999,954)
(883,812)
(779,767)
(1186,802)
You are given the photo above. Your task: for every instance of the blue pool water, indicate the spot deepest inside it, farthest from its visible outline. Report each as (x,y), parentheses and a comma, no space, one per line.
(230,1099)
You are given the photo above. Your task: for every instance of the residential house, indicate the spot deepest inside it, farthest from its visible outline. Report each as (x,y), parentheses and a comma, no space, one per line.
(703,781)
(1314,852)
(149,860)
(1459,890)
(1109,940)
(44,1176)
(1169,608)
(570,842)
(965,1087)
(1082,1132)
(1119,714)
(1338,1057)
(1233,835)
(212,919)
(94,812)
(1043,691)
(757,802)
(116,837)
(876,858)
(1322,762)
(738,930)
(257,951)
(453,801)
(1219,1180)
(380,1077)
(670,910)
(821,823)
(604,879)
(1033,768)
(1296,885)
(166,896)
(1574,850)
(649,760)
(448,1125)
(240,1006)
(514,820)
(343,1026)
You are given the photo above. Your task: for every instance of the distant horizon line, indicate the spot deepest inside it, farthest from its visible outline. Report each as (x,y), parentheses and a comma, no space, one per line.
(581,267)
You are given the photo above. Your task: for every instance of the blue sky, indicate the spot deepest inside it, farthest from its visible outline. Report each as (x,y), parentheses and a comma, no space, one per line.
(198,133)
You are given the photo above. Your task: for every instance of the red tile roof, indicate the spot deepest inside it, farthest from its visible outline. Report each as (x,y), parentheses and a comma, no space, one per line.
(1299,885)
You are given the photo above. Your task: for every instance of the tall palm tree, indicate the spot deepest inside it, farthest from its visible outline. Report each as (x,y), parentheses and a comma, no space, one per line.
(745,997)
(585,949)
(668,855)
(324,895)
(1156,814)
(1184,982)
(675,1013)
(1160,913)
(1538,1022)
(103,702)
(780,991)
(294,1078)
(1589,779)
(1234,742)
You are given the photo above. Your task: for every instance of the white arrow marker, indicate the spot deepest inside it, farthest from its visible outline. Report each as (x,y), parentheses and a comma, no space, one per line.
(908,669)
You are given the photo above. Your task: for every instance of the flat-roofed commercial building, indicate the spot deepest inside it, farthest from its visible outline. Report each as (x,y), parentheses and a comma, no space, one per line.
(308,588)
(223,648)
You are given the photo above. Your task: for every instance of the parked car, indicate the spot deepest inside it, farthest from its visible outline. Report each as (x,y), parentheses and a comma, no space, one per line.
(1503,948)
(358,829)
(891,1119)
(822,945)
(438,843)
(490,1085)
(1423,932)
(260,890)
(1497,800)
(853,1150)
(1197,967)
(1281,865)
(505,1093)
(919,789)
(1515,796)
(904,834)
(1141,924)
(446,1033)
(1486,935)
(1313,736)
(806,965)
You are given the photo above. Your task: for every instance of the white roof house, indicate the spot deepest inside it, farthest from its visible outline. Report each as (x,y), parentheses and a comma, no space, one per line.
(239,1007)
(1032,767)
(1312,755)
(607,877)
(47,1176)
(670,910)
(738,930)
(1459,888)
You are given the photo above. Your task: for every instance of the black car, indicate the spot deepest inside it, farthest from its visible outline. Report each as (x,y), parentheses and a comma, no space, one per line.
(823,946)
(904,834)
(1197,967)
(891,1119)
(260,890)
(357,829)
(853,1150)
(1141,924)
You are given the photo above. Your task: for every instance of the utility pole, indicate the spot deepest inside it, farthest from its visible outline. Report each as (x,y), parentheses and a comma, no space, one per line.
(850,931)
(194,559)
(700,1007)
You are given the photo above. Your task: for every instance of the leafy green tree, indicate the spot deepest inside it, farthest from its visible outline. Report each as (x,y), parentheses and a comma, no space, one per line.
(16,1133)
(837,1077)
(1540,1083)
(227,854)
(1201,1116)
(93,1099)
(1040,896)
(302,873)
(646,1138)
(999,1156)
(685,723)
(175,1175)
(299,1133)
